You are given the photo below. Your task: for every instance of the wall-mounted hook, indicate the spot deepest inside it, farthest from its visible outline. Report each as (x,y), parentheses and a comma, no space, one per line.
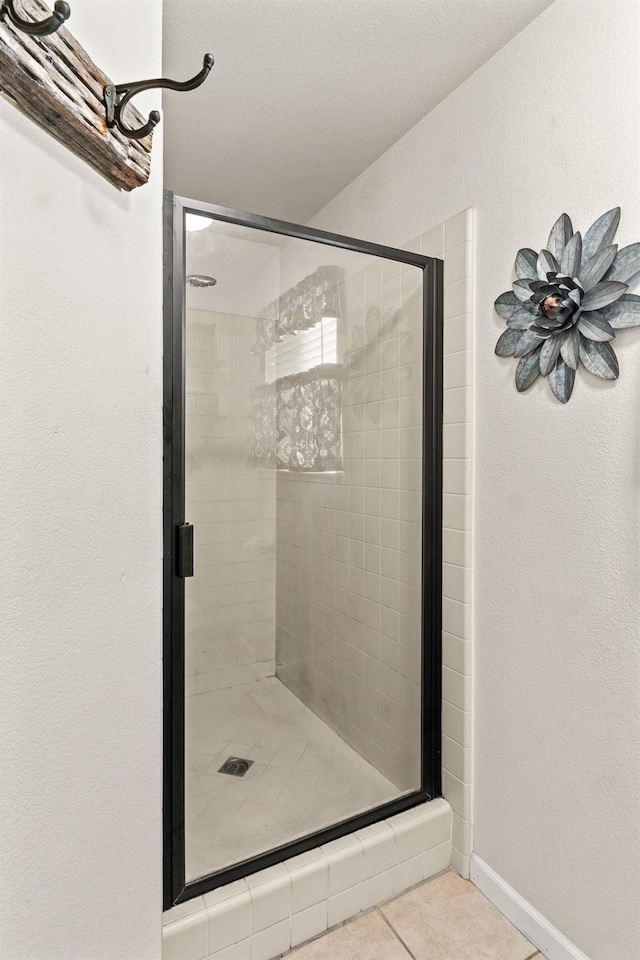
(117,96)
(42,29)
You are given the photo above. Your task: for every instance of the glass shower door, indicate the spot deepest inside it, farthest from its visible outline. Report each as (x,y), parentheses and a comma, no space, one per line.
(304,465)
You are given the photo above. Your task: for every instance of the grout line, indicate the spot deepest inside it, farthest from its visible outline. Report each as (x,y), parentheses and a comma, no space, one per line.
(397,935)
(459,672)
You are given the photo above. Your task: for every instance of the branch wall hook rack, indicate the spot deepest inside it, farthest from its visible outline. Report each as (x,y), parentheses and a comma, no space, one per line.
(48,75)
(42,28)
(117,96)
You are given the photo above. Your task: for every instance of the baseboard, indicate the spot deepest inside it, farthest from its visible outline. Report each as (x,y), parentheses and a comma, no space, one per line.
(522,915)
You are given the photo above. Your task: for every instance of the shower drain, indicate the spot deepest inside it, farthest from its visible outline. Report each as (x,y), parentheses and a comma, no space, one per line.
(235,766)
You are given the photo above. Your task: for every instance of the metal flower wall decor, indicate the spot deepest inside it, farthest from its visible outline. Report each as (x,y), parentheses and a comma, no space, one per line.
(567,304)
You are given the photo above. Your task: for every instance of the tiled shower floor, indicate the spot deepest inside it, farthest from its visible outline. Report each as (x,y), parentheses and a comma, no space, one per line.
(304,777)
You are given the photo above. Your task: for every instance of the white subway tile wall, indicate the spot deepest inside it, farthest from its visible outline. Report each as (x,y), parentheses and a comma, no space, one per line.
(261,917)
(349,543)
(230,602)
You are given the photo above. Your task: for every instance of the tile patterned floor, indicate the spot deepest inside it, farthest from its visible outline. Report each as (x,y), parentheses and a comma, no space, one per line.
(444,919)
(303,778)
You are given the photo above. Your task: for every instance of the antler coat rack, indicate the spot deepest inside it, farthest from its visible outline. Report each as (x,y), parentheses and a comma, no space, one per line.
(50,77)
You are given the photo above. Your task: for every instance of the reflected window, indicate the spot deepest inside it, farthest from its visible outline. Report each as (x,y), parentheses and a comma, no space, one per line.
(299,352)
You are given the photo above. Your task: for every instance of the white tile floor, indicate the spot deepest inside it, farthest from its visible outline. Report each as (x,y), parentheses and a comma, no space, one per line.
(304,777)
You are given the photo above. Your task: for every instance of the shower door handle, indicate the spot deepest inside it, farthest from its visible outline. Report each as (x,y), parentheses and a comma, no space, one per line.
(184,556)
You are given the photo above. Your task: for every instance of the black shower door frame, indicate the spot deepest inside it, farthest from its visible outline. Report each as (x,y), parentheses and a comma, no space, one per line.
(175,887)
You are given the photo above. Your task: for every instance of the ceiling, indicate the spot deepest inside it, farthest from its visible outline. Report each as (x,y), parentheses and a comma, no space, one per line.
(305,94)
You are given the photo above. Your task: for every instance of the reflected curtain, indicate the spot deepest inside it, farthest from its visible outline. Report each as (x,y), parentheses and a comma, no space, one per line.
(299,308)
(296,421)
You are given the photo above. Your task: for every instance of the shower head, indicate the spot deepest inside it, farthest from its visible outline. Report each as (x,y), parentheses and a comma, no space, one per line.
(201,280)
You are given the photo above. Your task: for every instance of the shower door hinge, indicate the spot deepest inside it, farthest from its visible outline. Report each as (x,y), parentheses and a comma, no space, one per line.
(184,556)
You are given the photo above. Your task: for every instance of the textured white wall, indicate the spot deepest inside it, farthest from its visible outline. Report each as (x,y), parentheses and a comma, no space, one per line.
(81,425)
(551,123)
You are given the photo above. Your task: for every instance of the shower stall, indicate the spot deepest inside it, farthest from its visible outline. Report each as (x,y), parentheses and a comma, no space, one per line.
(302,539)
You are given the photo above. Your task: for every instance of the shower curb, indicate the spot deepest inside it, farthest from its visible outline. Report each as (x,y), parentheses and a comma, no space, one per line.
(268,913)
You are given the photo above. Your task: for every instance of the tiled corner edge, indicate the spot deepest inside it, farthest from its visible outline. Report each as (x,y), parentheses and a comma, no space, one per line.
(269,912)
(457,620)
(453,242)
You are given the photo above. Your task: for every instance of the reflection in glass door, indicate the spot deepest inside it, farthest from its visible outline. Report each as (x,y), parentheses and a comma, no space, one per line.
(302,415)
